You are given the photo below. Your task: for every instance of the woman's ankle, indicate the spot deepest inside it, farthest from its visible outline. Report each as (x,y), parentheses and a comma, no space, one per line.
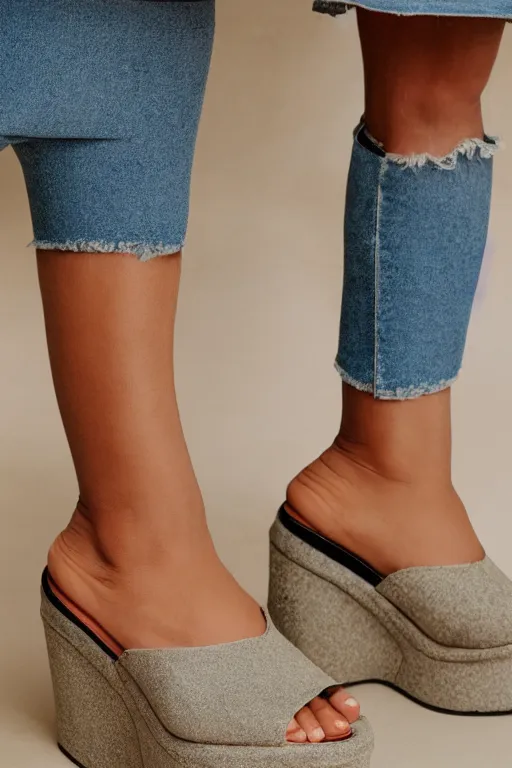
(392,519)
(348,472)
(184,596)
(408,442)
(115,556)
(111,541)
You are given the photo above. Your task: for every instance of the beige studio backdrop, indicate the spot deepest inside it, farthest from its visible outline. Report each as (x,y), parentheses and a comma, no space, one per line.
(256,337)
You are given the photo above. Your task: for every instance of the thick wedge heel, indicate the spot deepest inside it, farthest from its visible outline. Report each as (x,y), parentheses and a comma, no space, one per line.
(440,635)
(222,706)
(328,625)
(94,727)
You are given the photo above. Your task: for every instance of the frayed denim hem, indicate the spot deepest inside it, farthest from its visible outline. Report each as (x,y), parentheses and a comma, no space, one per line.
(470,148)
(400,393)
(143,251)
(484,148)
(467,9)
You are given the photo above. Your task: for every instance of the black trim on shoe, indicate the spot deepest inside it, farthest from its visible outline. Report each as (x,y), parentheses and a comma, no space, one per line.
(69,757)
(334,551)
(59,605)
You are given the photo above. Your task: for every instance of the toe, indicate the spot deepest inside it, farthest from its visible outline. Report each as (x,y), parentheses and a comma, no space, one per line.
(295,733)
(345,704)
(334,725)
(326,718)
(310,725)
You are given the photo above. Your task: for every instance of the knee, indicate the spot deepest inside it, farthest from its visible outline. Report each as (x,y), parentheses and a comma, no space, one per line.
(439,101)
(426,76)
(430,114)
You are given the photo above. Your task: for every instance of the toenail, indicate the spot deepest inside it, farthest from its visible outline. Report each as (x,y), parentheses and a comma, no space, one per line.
(350,702)
(342,726)
(318,734)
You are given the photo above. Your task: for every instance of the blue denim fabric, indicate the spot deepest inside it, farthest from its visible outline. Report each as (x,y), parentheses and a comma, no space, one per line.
(501,9)
(415,233)
(102,100)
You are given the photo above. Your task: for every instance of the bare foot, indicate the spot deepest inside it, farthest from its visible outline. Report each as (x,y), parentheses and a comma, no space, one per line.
(390,523)
(185,598)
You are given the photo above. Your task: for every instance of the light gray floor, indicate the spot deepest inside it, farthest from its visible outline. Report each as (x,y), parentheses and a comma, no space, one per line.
(257,332)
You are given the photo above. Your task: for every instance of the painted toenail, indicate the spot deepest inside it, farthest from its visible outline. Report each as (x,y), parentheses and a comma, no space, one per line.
(341,725)
(318,734)
(350,702)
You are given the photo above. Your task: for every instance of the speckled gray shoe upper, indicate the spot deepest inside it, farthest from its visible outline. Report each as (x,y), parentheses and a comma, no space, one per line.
(460,606)
(442,635)
(189,687)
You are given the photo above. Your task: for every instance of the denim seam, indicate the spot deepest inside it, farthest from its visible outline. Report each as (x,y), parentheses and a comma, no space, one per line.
(143,251)
(382,173)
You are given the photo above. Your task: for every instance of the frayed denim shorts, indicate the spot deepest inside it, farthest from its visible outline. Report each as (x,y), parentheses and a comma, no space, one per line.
(500,9)
(101,101)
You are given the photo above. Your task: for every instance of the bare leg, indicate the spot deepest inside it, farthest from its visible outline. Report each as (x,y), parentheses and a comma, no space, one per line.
(384,488)
(136,561)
